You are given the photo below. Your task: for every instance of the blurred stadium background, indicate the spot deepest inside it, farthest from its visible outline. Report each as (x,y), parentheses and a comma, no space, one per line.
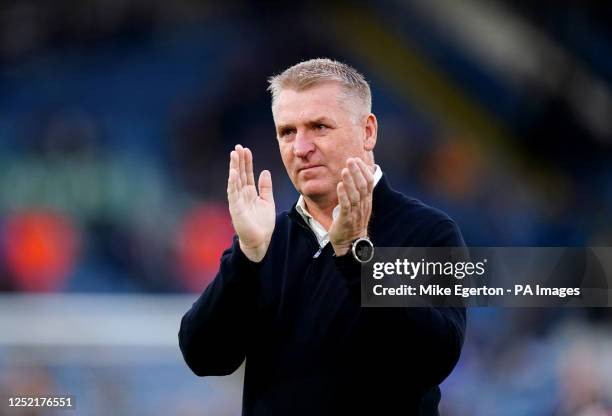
(116,120)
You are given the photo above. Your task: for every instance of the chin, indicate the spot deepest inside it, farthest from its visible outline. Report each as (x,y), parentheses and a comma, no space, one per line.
(314,188)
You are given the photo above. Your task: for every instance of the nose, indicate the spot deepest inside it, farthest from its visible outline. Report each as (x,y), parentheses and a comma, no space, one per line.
(303,144)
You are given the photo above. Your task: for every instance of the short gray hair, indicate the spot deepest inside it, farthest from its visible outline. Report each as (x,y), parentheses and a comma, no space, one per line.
(314,72)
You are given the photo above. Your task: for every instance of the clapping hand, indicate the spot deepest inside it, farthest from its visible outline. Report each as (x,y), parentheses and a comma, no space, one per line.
(253,215)
(355,199)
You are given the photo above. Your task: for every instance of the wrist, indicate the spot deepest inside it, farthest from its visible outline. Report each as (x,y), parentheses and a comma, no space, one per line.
(361,249)
(341,250)
(343,247)
(256,253)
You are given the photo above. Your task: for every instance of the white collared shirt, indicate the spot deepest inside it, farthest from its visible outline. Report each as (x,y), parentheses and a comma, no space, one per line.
(320,231)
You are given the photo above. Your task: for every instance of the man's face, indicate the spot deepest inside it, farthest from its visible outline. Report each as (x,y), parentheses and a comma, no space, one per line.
(318,129)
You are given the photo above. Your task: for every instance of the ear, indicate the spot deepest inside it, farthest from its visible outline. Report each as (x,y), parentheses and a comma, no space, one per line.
(371,131)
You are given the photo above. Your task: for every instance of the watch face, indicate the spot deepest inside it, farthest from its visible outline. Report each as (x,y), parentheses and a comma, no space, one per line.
(364,251)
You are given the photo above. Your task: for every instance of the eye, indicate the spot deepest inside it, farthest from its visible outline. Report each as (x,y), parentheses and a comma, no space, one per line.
(321,127)
(286,132)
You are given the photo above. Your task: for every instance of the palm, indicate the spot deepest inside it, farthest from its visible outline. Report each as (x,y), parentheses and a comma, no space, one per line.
(253,214)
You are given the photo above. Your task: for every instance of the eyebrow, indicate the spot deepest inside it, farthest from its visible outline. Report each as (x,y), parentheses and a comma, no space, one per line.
(321,120)
(318,120)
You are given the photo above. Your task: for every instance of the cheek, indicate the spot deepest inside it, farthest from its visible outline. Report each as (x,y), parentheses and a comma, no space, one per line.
(337,154)
(286,155)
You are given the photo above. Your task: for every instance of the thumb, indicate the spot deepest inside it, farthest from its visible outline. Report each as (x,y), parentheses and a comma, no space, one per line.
(265,186)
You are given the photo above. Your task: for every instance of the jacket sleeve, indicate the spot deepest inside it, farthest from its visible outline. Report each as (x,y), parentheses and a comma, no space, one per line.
(433,334)
(214,332)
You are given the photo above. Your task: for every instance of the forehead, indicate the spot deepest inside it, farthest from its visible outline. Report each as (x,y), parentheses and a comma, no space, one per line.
(293,106)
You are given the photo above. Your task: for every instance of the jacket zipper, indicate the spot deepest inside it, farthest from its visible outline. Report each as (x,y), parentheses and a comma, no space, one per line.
(312,237)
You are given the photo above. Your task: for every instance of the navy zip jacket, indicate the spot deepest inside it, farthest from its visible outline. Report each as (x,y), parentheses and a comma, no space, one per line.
(310,348)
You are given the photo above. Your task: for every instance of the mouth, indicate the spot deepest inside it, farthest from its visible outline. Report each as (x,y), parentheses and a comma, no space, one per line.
(309,168)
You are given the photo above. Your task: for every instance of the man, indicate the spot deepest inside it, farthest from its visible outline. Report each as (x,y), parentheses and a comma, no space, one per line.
(287,294)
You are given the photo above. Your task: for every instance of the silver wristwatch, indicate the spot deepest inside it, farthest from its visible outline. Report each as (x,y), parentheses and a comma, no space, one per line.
(362,249)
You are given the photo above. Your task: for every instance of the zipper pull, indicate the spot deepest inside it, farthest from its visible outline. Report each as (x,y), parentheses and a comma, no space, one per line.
(318,253)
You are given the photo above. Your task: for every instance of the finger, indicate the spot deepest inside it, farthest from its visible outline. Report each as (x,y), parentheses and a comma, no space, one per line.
(349,186)
(235,164)
(265,186)
(248,156)
(367,173)
(242,169)
(232,187)
(233,160)
(359,179)
(343,199)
